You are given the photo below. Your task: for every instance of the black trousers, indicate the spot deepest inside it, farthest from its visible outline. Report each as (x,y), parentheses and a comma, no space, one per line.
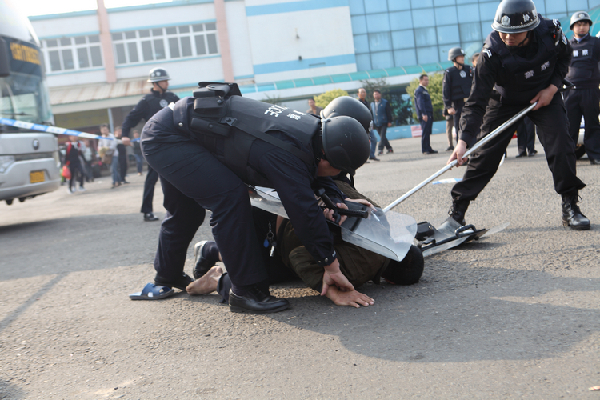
(382,130)
(526,136)
(76,172)
(426,127)
(552,129)
(584,102)
(194,180)
(122,167)
(148,197)
(458,107)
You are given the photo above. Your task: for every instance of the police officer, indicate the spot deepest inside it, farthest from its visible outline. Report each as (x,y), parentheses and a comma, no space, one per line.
(158,98)
(584,74)
(525,58)
(208,147)
(424,113)
(456,86)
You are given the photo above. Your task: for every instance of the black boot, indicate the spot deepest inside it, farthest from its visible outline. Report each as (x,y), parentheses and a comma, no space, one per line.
(458,210)
(571,214)
(255,299)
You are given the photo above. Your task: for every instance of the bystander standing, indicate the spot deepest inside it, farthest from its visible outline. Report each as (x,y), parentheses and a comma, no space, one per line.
(382,119)
(313,108)
(424,113)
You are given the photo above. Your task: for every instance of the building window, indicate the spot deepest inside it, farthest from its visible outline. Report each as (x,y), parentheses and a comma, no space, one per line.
(170,43)
(73,53)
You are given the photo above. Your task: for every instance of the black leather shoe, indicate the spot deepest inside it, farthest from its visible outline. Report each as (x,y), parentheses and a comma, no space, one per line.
(450,148)
(374,159)
(149,217)
(572,215)
(520,155)
(203,264)
(256,301)
(458,211)
(430,152)
(180,283)
(533,153)
(594,161)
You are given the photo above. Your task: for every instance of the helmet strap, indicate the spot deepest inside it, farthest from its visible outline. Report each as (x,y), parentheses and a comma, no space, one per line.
(318,147)
(156,87)
(524,40)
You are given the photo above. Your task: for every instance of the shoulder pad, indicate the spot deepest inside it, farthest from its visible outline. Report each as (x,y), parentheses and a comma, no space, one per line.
(556,23)
(487,52)
(448,70)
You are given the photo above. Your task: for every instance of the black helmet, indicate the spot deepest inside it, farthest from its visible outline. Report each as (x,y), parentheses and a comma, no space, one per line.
(408,271)
(580,16)
(350,107)
(345,144)
(516,16)
(455,52)
(158,75)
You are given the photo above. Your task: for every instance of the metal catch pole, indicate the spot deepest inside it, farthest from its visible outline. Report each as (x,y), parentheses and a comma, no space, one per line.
(477,145)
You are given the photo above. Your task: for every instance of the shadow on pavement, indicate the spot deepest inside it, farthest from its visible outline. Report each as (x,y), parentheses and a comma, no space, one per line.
(10,391)
(6,321)
(78,243)
(502,321)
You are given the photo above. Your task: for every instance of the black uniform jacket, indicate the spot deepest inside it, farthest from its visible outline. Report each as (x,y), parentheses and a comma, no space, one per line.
(456,84)
(291,177)
(518,75)
(149,105)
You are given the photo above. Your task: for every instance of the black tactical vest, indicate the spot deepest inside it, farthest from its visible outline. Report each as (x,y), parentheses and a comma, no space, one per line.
(228,125)
(584,64)
(157,103)
(520,79)
(461,82)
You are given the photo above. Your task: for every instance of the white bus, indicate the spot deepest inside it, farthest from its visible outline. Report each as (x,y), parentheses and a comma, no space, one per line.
(29,160)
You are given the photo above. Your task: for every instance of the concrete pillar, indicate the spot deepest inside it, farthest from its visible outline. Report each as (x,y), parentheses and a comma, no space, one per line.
(223,35)
(106,41)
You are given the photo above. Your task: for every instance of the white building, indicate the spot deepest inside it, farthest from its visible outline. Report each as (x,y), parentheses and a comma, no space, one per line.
(97,62)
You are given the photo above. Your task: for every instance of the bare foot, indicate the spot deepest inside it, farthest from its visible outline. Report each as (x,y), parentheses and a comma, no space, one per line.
(208,283)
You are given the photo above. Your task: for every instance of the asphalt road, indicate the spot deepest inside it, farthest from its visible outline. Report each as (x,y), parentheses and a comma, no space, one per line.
(516,315)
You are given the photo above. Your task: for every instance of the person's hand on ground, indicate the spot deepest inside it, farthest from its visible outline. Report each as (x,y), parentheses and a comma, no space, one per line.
(352,298)
(333,276)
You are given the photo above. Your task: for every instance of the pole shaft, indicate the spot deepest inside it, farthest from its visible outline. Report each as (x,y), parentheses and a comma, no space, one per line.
(477,145)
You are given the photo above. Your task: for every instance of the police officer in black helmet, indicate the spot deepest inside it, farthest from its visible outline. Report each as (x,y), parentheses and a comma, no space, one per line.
(525,58)
(584,74)
(158,98)
(206,149)
(456,86)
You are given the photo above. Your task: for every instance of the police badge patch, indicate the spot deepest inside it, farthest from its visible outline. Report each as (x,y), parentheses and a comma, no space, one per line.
(463,74)
(505,21)
(163,103)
